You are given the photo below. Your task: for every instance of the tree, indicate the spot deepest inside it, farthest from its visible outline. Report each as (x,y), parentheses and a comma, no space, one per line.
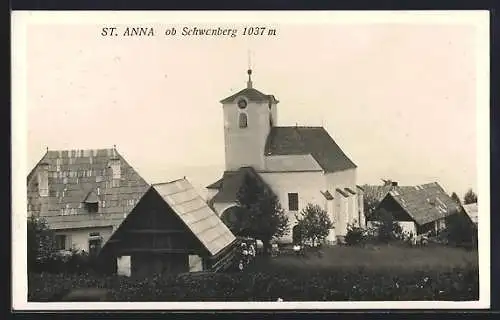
(460,230)
(470,197)
(40,242)
(370,204)
(314,223)
(265,217)
(387,228)
(456,198)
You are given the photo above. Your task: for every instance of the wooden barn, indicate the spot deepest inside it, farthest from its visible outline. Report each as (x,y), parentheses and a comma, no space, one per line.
(418,209)
(171,230)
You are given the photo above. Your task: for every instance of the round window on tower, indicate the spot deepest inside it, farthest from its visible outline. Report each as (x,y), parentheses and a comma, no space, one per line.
(242,104)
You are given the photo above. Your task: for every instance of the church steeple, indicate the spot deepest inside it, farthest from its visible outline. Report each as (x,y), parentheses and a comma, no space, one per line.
(249,82)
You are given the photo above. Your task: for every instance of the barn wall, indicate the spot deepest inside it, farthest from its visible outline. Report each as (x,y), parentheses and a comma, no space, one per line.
(147,264)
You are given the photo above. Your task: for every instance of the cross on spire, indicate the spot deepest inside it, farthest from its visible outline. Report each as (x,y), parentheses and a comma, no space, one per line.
(249,72)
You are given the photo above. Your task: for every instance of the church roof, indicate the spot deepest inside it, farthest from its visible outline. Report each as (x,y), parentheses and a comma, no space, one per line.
(308,140)
(252,95)
(231,182)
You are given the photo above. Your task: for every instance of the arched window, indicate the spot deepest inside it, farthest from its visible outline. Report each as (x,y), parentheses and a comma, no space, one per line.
(243,120)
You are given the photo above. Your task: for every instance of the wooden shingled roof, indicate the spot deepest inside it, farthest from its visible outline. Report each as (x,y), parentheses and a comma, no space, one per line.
(425,203)
(78,176)
(472,212)
(308,140)
(190,207)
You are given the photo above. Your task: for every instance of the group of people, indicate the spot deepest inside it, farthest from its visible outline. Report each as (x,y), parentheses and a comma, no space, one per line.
(247,254)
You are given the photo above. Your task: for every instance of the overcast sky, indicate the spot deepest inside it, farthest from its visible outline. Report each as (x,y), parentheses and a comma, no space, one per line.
(399,99)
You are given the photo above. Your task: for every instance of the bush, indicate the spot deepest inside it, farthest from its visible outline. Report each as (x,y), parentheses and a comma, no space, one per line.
(387,228)
(355,235)
(333,284)
(314,224)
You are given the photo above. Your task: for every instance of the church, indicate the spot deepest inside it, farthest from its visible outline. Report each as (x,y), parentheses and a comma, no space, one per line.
(300,164)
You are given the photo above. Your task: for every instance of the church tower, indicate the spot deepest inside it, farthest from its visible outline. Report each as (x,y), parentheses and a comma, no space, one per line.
(249,116)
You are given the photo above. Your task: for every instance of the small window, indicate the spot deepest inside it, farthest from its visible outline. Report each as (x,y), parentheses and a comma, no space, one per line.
(60,240)
(293,201)
(243,120)
(92,207)
(94,234)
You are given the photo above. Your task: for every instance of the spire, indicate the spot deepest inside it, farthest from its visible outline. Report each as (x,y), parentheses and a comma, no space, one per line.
(249,82)
(249,71)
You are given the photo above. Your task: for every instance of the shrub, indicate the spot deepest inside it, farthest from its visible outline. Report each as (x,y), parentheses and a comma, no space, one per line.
(387,228)
(314,224)
(355,234)
(333,284)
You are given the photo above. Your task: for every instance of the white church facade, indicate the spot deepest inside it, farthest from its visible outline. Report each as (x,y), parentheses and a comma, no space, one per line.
(300,164)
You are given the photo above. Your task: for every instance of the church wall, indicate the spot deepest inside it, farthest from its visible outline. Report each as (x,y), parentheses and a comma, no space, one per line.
(308,185)
(245,146)
(292,163)
(346,209)
(220,207)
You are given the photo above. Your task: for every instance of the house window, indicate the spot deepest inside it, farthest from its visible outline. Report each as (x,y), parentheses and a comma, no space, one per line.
(92,207)
(293,201)
(60,240)
(243,120)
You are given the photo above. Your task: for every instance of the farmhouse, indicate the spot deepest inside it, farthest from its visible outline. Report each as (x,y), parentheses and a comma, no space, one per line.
(83,195)
(300,165)
(170,230)
(418,209)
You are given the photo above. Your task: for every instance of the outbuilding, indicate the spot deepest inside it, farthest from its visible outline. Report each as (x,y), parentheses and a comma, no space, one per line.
(171,230)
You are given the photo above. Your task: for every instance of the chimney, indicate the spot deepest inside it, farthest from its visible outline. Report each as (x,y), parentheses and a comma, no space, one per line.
(43,179)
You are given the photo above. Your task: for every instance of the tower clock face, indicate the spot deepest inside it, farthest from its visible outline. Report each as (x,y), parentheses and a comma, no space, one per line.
(242,104)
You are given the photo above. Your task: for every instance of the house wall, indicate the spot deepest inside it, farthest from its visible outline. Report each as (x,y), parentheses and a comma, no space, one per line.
(245,146)
(79,238)
(308,185)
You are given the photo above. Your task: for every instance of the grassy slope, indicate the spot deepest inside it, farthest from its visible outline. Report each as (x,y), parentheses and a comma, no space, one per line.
(374,257)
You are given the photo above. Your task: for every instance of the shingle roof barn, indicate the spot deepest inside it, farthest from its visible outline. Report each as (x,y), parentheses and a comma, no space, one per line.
(76,177)
(425,203)
(252,95)
(308,140)
(379,192)
(181,196)
(471,210)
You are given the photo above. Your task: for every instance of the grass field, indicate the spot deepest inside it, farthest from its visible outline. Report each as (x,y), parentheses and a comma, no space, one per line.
(371,273)
(374,257)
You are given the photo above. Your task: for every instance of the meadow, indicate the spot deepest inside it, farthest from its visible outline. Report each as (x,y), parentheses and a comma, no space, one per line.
(340,273)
